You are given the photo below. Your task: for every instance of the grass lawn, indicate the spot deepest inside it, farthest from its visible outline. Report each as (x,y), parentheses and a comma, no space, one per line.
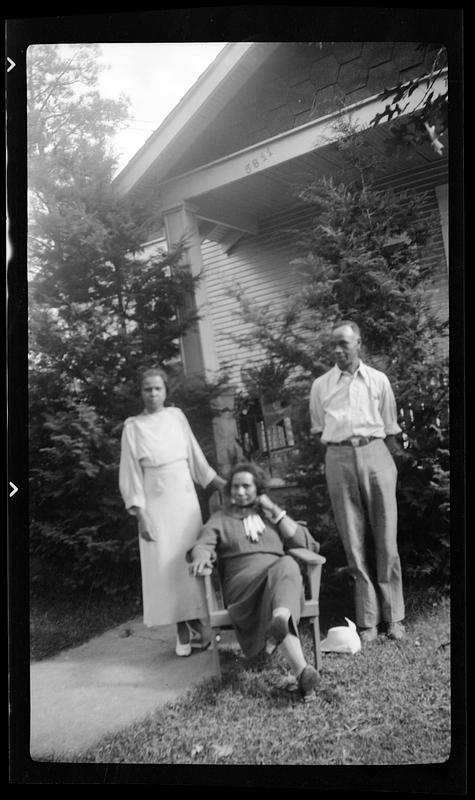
(388,705)
(60,622)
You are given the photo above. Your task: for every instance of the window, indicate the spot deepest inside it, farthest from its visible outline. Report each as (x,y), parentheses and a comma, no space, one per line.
(265,431)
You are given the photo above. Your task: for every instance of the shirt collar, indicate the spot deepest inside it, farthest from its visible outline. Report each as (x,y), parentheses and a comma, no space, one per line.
(360,370)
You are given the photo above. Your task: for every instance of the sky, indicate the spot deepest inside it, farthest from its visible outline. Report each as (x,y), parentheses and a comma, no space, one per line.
(155,76)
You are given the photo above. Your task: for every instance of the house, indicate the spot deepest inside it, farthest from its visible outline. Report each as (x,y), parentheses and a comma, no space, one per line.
(222,169)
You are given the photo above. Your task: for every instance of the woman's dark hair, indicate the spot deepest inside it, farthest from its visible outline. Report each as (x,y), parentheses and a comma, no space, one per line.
(257,473)
(150,371)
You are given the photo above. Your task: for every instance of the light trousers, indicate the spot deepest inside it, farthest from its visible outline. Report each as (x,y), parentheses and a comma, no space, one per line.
(362,486)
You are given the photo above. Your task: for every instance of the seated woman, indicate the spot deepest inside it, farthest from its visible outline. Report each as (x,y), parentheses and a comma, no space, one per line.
(262,586)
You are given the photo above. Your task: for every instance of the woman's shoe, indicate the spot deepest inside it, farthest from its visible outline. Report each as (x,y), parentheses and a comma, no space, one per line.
(308,682)
(277,630)
(182,649)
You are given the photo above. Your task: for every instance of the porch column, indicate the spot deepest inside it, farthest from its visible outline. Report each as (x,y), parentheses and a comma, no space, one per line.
(197,345)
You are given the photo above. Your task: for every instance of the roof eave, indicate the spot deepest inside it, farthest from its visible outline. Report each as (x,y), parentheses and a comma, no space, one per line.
(188,114)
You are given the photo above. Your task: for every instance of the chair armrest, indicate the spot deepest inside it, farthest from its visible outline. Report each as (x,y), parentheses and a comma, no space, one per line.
(306,556)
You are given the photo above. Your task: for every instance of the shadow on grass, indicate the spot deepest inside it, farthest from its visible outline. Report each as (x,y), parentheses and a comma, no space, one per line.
(264,677)
(59,621)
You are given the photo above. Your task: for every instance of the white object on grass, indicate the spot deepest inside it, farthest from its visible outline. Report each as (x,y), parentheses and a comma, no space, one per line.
(342,639)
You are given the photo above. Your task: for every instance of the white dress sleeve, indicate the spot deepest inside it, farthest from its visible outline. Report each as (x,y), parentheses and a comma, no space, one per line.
(201,472)
(130,471)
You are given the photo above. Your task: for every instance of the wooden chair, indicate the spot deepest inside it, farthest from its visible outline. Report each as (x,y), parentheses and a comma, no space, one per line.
(218,616)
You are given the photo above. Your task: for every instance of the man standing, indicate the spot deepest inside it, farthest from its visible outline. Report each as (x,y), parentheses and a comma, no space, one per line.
(353,412)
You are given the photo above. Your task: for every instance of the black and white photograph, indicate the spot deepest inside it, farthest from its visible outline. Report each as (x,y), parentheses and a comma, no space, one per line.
(235,385)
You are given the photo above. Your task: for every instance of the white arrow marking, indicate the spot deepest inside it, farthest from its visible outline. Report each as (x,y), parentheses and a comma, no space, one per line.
(14,488)
(12,64)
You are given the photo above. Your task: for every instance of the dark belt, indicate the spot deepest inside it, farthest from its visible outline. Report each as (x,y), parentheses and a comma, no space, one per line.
(355,441)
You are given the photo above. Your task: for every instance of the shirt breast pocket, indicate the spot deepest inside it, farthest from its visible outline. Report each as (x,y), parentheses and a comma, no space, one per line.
(374,392)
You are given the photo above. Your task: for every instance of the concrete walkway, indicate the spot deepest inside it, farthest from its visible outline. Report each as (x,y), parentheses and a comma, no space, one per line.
(106,684)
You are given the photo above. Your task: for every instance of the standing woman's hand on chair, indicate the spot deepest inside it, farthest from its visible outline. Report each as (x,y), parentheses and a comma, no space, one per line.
(199,565)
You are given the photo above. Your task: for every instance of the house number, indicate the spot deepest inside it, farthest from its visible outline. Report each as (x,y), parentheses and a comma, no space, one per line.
(258,160)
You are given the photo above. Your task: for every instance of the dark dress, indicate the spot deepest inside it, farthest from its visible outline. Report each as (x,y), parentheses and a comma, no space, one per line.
(256,576)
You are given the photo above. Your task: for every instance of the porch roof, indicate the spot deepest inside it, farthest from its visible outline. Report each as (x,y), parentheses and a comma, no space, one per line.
(231,195)
(259,180)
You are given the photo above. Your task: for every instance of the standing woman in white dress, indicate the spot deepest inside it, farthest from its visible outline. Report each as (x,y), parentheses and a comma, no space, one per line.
(160,461)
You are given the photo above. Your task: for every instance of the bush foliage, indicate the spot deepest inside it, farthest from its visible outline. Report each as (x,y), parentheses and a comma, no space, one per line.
(100,310)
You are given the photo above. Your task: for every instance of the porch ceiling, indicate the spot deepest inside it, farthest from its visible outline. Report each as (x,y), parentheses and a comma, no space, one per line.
(266,193)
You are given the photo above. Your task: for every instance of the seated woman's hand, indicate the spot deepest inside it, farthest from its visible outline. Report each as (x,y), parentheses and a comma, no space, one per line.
(199,565)
(267,506)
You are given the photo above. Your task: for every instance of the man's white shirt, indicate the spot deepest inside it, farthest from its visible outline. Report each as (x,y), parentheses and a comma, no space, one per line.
(344,404)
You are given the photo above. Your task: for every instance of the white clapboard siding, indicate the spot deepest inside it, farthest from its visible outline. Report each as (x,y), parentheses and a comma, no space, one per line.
(426,181)
(261,266)
(429,181)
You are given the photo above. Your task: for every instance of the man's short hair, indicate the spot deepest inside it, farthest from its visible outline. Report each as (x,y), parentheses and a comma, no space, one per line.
(348,323)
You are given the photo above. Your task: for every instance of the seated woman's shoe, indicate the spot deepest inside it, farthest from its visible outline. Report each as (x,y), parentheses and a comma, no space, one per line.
(308,682)
(277,630)
(182,649)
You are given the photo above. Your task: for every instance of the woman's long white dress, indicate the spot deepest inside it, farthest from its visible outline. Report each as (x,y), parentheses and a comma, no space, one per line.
(160,459)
